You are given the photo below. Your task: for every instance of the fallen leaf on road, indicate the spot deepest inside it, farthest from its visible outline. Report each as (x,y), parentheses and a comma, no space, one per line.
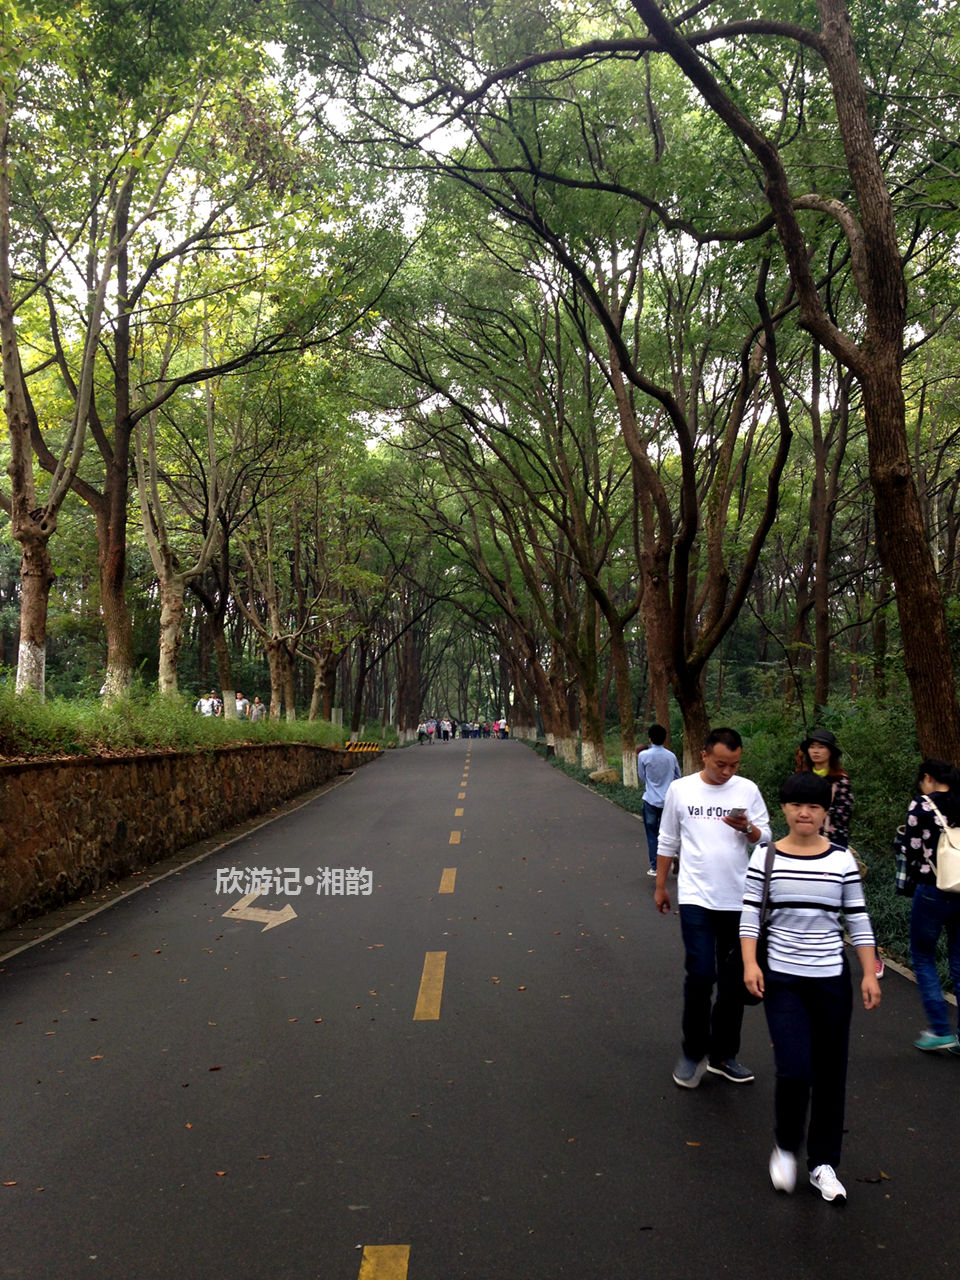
(215,1068)
(693,1144)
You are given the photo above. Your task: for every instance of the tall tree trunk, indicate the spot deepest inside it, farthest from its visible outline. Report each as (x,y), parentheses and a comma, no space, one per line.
(36,579)
(31,525)
(409,681)
(593,749)
(330,688)
(696,722)
(116,617)
(275,667)
(112,528)
(221,650)
(523,722)
(289,690)
(628,734)
(316,691)
(359,686)
(905,553)
(554,708)
(172,588)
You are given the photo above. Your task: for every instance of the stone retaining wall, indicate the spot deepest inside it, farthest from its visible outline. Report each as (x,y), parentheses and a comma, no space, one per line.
(69,826)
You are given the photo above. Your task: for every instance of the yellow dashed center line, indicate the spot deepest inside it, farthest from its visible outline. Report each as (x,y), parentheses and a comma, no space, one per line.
(461,795)
(454,837)
(448,879)
(458,813)
(431,987)
(384,1262)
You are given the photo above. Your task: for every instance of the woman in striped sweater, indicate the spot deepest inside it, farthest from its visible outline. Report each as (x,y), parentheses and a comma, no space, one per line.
(805,983)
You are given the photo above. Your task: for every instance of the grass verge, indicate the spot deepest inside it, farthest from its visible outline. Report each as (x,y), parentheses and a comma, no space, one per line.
(31,729)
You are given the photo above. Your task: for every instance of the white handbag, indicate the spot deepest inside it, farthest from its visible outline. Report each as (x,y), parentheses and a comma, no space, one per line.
(948,854)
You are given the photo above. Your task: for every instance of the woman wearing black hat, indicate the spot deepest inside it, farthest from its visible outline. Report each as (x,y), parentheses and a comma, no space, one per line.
(820,754)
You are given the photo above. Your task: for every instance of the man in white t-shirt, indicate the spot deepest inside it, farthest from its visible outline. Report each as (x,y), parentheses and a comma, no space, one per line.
(711,819)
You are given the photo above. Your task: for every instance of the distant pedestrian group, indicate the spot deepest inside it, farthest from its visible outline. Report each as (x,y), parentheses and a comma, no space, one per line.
(210,704)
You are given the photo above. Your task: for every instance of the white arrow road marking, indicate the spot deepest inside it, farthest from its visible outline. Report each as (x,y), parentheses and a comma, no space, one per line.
(242,910)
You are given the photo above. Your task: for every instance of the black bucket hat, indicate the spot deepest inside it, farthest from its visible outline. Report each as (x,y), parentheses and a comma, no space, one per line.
(823,736)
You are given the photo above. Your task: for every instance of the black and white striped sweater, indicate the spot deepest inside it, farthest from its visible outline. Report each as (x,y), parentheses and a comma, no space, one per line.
(808,896)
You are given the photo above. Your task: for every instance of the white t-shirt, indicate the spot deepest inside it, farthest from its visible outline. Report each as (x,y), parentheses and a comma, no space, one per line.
(713,856)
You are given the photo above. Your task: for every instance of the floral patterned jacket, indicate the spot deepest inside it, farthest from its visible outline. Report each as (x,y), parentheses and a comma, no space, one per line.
(920,839)
(837,825)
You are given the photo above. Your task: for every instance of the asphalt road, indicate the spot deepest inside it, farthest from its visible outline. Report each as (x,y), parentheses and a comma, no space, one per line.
(416,1084)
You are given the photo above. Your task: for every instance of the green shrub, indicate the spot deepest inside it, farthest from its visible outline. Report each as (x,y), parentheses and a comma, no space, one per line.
(144,721)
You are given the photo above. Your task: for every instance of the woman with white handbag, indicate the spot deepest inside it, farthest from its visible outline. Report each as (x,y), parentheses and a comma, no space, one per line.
(934,813)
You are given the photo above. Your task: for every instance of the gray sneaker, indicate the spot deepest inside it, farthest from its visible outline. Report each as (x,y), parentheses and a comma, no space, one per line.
(733,1071)
(688,1073)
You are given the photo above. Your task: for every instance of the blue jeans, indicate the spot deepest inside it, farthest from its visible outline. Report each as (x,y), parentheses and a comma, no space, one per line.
(708,938)
(809,1021)
(651,824)
(932,912)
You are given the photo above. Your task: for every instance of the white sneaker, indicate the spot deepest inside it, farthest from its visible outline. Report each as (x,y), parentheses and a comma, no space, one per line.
(651,871)
(783,1170)
(824,1179)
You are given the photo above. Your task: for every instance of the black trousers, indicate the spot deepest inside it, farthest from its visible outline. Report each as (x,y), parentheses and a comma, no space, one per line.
(809,1021)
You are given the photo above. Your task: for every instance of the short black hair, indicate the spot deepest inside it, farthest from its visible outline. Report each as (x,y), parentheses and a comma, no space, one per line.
(940,771)
(728,738)
(657,734)
(806,788)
